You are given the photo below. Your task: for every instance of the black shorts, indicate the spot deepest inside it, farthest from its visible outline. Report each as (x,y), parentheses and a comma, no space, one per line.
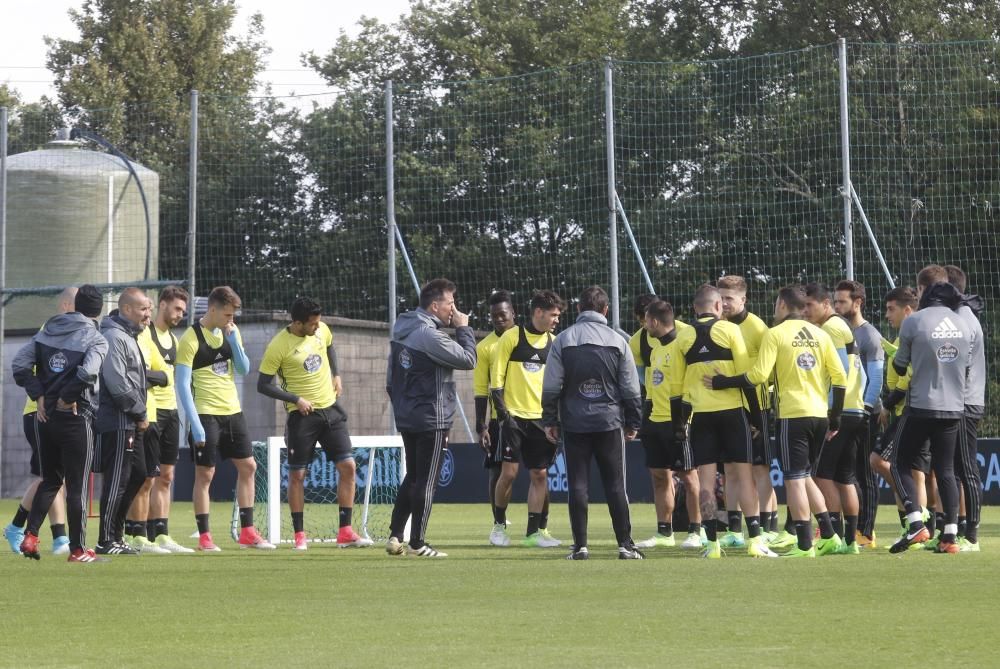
(327,427)
(799,442)
(662,450)
(163,438)
(151,451)
(913,447)
(490,460)
(721,436)
(30,425)
(225,436)
(523,439)
(763,452)
(837,457)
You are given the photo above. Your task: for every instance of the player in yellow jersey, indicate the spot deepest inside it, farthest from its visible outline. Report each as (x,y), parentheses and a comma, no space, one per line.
(487,427)
(209,356)
(640,343)
(835,471)
(805,366)
(720,422)
(733,290)
(14,532)
(516,389)
(164,437)
(664,454)
(136,523)
(303,357)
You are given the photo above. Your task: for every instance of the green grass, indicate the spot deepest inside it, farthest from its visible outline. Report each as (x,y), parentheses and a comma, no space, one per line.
(484,606)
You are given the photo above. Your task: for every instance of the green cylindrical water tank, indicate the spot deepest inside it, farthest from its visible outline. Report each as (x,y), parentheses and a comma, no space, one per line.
(75,216)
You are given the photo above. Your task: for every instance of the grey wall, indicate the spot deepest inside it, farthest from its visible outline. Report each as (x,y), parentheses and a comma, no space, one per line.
(361,346)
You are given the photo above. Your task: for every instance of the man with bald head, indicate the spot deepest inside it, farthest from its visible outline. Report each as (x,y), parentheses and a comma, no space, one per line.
(122,418)
(14,532)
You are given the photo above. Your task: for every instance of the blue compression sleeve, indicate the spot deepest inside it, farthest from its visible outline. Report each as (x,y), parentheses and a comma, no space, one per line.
(241,363)
(874,369)
(182,375)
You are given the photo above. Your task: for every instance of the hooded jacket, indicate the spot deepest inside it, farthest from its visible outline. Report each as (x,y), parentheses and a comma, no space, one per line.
(419,371)
(63,361)
(123,377)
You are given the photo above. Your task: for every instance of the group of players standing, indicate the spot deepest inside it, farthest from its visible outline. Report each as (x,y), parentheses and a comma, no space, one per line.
(107,395)
(713,387)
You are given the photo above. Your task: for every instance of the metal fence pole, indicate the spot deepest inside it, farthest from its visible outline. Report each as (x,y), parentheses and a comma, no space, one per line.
(390,219)
(192,203)
(3,271)
(609,122)
(845,156)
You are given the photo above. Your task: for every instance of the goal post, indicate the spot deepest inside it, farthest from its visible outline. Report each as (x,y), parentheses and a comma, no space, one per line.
(379,469)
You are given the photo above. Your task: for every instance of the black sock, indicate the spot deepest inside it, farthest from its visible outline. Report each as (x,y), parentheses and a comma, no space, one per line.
(129,528)
(543,522)
(710,531)
(721,526)
(773,524)
(202,521)
(666,529)
(753,526)
(20,517)
(838,522)
(138,528)
(962,523)
(533,520)
(58,530)
(345,515)
(938,520)
(158,527)
(789,523)
(765,520)
(804,534)
(297,522)
(694,528)
(850,528)
(931,523)
(735,521)
(825,525)
(500,515)
(902,519)
(246,516)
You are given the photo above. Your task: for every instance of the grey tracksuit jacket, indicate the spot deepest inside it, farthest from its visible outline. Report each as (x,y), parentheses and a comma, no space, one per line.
(123,378)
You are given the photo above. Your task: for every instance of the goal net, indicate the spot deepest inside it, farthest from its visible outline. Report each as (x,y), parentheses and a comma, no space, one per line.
(380,468)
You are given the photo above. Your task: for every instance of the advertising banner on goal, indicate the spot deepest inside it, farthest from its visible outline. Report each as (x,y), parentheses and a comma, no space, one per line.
(464,479)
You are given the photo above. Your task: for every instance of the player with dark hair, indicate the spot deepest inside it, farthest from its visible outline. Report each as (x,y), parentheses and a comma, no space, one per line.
(14,532)
(420,387)
(733,290)
(209,356)
(163,438)
(487,426)
(590,398)
(664,454)
(639,343)
(516,390)
(303,356)
(848,302)
(834,469)
(720,423)
(806,366)
(966,465)
(59,369)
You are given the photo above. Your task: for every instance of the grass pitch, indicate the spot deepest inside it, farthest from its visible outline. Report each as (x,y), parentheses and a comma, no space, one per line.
(492,607)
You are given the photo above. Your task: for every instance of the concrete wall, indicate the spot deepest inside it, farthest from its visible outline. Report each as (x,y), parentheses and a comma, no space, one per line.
(361,346)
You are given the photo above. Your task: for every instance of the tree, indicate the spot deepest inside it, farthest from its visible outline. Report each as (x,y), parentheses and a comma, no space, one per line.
(128,77)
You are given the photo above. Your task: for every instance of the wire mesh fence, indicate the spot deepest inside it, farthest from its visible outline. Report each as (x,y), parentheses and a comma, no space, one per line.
(730,166)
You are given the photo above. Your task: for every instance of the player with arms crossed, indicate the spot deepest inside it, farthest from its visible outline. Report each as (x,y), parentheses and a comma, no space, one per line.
(487,426)
(209,356)
(516,378)
(302,354)
(805,365)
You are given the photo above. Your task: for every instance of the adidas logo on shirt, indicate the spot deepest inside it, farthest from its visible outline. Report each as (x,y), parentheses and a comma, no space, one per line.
(704,349)
(946,329)
(804,338)
(535,357)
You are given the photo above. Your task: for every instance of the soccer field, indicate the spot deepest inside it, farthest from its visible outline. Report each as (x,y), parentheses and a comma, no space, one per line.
(485,607)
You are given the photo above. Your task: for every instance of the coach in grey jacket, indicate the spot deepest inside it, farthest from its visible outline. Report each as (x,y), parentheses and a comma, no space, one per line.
(590,393)
(419,383)
(122,419)
(59,369)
